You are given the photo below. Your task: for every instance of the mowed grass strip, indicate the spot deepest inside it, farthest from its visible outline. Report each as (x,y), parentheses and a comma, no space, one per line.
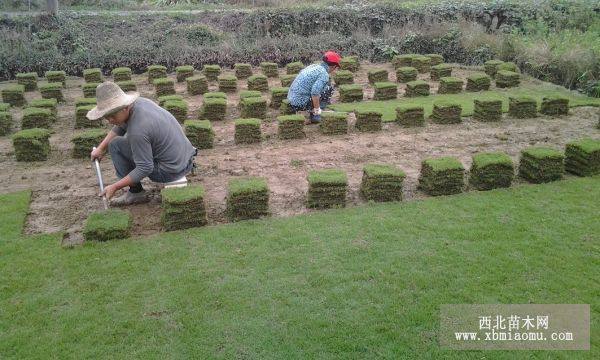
(360,282)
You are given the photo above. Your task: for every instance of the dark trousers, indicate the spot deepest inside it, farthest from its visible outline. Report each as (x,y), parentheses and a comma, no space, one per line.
(324,100)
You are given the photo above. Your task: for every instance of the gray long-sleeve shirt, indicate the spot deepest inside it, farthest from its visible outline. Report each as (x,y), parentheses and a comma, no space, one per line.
(156,139)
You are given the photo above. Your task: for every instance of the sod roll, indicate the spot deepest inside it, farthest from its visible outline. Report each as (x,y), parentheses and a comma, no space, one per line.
(385,91)
(36,118)
(351,93)
(446,112)
(163,99)
(269,69)
(541,165)
(200,133)
(247,131)
(405,74)
(450,85)
(56,76)
(290,127)
(183,72)
(258,82)
(31,144)
(156,72)
(286,108)
(522,107)
(555,105)
(85,141)
(29,80)
(435,59)
(6,123)
(440,71)
(81,120)
(404,60)
(214,109)
(417,88)
(368,121)
(342,77)
(487,110)
(582,157)
(421,63)
(121,74)
(441,176)
(92,75)
(382,182)
(211,72)
(242,70)
(247,198)
(377,75)
(253,107)
(177,108)
(506,79)
(278,95)
(127,85)
(410,115)
(327,189)
(50,104)
(197,85)
(227,83)
(183,207)
(491,67)
(350,63)
(294,67)
(478,82)
(491,170)
(334,123)
(89,90)
(14,94)
(164,86)
(287,80)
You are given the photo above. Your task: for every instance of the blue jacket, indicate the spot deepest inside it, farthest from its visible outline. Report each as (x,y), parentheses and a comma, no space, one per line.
(310,81)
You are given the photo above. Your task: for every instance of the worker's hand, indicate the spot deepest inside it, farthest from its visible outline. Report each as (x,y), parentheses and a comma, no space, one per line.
(97,153)
(317,111)
(109,191)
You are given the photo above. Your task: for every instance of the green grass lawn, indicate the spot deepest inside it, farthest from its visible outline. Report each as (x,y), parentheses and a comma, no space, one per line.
(363,282)
(465,99)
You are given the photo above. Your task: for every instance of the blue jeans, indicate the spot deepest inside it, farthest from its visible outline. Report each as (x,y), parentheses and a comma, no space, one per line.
(324,100)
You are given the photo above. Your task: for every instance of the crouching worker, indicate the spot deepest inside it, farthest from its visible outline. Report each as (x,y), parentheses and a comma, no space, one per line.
(312,89)
(145,141)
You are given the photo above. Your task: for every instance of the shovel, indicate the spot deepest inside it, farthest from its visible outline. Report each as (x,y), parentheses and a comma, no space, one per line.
(100,181)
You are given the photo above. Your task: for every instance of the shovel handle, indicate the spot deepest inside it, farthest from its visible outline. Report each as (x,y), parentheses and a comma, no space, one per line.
(100,181)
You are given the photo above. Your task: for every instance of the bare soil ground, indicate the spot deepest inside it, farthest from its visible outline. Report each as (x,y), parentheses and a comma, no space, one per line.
(64,189)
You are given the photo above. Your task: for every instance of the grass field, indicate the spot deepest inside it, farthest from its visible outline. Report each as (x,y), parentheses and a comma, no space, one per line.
(362,282)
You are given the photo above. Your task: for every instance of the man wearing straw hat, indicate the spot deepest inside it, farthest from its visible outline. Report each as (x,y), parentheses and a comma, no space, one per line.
(145,141)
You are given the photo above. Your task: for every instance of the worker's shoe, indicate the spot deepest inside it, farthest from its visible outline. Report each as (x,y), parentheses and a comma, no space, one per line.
(129,198)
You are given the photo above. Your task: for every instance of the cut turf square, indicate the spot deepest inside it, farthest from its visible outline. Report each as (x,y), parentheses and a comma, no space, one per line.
(450,85)
(247,198)
(385,91)
(183,207)
(214,109)
(343,77)
(56,76)
(582,157)
(278,95)
(421,63)
(287,80)
(247,131)
(351,93)
(487,110)
(381,182)
(127,86)
(31,144)
(334,123)
(242,70)
(368,121)
(349,63)
(404,60)
(441,176)
(253,107)
(50,104)
(555,105)
(294,67)
(227,83)
(417,88)
(406,74)
(92,75)
(522,107)
(478,82)
(81,120)
(446,112)
(327,189)
(491,170)
(85,141)
(211,72)
(29,80)
(258,82)
(435,59)
(269,69)
(164,86)
(14,94)
(200,133)
(409,115)
(163,99)
(541,165)
(121,74)
(197,85)
(215,95)
(377,75)
(6,123)
(506,79)
(89,90)
(36,118)
(178,108)
(156,72)
(249,93)
(491,67)
(440,71)
(183,72)
(112,224)
(290,127)
(286,108)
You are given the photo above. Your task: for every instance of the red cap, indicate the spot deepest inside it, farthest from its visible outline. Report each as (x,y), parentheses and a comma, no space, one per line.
(332,58)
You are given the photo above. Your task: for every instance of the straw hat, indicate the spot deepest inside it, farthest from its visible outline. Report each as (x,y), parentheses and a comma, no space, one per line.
(110,98)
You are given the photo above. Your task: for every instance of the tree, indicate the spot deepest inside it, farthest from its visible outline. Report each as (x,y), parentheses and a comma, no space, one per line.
(52,6)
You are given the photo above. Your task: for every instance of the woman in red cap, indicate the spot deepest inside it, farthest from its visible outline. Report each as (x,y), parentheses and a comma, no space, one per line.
(312,89)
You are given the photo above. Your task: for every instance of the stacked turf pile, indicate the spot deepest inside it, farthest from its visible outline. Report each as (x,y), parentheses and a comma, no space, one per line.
(555,105)
(214,109)
(258,83)
(89,89)
(417,88)
(183,72)
(368,121)
(178,108)
(508,66)
(491,67)
(31,144)
(506,79)
(385,91)
(36,118)
(287,80)
(290,127)
(215,95)
(197,85)
(4,107)
(491,171)
(54,91)
(84,102)
(382,182)
(286,108)
(14,94)
(211,72)
(487,110)
(410,115)
(269,69)
(112,224)
(327,189)
(294,67)
(334,123)
(156,72)
(127,86)
(435,59)
(404,60)
(247,198)
(50,104)
(242,71)
(342,77)
(92,75)
(541,164)
(478,82)
(85,141)
(183,207)
(247,131)
(29,80)
(441,176)
(278,95)
(446,112)
(582,157)
(163,99)
(164,86)
(253,107)
(440,71)
(249,93)
(351,93)
(81,120)
(450,85)
(121,74)
(227,83)
(406,74)
(6,123)
(421,63)
(56,76)
(377,75)
(522,107)
(349,63)
(200,133)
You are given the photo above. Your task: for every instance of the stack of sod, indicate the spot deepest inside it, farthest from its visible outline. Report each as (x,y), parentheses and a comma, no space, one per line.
(287,80)
(290,127)
(327,189)
(249,93)
(487,110)
(85,101)
(36,118)
(342,77)
(50,104)
(4,107)
(278,95)
(184,72)
(491,67)
(56,76)
(31,144)
(478,82)
(555,105)
(351,93)
(440,71)
(582,157)
(89,90)
(156,72)
(54,91)
(215,95)
(294,67)
(421,63)
(349,63)
(214,109)
(163,99)
(121,74)
(227,83)
(385,91)
(541,165)
(258,82)
(183,207)
(200,133)
(247,198)
(85,141)
(127,85)
(269,69)
(177,108)
(368,121)
(450,85)
(242,71)
(404,60)
(6,123)
(211,72)
(81,120)
(505,79)
(377,75)
(29,80)
(436,59)
(92,75)
(164,86)
(405,74)
(247,131)
(522,107)
(410,115)
(112,224)
(382,182)
(417,88)
(334,123)
(446,112)
(286,108)
(441,176)
(253,107)
(197,85)
(14,95)
(508,66)
(491,171)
